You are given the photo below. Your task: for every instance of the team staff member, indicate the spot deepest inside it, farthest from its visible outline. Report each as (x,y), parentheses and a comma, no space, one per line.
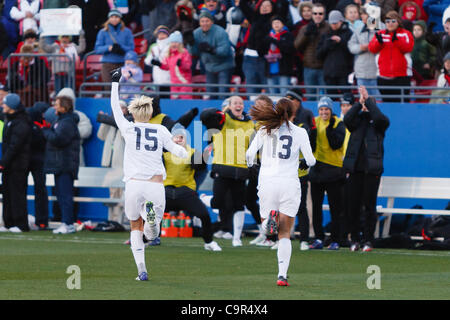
(16,155)
(327,175)
(180,186)
(229,168)
(364,161)
(304,118)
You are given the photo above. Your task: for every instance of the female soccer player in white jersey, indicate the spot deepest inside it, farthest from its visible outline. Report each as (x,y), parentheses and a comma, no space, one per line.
(143,170)
(278,185)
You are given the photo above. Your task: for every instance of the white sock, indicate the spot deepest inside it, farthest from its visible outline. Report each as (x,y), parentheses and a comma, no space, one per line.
(264,227)
(260,229)
(284,256)
(238,224)
(138,249)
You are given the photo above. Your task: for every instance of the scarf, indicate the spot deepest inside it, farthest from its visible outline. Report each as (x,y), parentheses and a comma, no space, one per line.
(447,77)
(274,53)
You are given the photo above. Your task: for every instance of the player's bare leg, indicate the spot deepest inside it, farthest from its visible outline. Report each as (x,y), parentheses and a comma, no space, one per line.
(138,247)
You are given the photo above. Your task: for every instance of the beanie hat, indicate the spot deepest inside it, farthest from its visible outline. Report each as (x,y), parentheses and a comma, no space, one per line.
(114,12)
(162,29)
(178,129)
(325,102)
(276,17)
(335,16)
(50,115)
(295,93)
(176,37)
(131,55)
(348,98)
(68,92)
(206,14)
(447,56)
(422,24)
(12,100)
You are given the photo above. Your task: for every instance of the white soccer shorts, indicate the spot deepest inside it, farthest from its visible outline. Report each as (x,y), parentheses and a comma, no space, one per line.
(137,192)
(282,195)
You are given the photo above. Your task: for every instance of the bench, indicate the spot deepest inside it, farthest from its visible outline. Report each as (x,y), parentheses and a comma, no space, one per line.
(90,177)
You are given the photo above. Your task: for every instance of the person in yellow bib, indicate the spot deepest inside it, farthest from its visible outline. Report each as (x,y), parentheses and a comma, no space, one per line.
(180,185)
(231,132)
(327,175)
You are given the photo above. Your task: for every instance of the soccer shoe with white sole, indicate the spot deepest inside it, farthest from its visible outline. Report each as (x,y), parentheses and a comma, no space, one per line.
(304,246)
(275,246)
(15,230)
(212,246)
(260,238)
(151,231)
(218,234)
(266,243)
(65,229)
(282,282)
(354,246)
(227,236)
(367,247)
(143,276)
(272,222)
(236,243)
(333,246)
(316,245)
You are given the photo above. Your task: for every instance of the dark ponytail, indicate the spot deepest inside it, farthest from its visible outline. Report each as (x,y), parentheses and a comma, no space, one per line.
(269,115)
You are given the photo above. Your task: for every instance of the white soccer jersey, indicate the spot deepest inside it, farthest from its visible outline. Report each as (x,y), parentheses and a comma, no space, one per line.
(144,143)
(280,151)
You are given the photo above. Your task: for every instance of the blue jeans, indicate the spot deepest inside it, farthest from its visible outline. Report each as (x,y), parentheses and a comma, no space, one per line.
(278,80)
(221,77)
(369,82)
(64,195)
(313,77)
(255,72)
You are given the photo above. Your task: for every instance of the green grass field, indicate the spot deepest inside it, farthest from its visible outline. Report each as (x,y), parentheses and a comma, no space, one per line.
(33,266)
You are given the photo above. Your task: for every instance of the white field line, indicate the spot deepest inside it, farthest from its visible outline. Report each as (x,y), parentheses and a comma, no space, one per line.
(115,241)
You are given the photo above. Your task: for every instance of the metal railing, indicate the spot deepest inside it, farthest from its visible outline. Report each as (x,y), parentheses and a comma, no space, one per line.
(35,76)
(202,90)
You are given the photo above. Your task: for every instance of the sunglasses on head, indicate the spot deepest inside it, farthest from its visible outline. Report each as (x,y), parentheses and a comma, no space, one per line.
(318,13)
(391,20)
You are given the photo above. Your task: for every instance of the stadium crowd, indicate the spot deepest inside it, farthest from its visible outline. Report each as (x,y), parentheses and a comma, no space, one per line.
(261,42)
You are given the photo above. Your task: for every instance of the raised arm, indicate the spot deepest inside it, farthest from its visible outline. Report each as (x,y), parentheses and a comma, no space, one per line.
(121,122)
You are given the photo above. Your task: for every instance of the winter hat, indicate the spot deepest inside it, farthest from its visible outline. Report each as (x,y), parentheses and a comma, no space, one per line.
(304,4)
(68,92)
(114,12)
(447,56)
(347,98)
(325,102)
(206,14)
(176,37)
(276,17)
(295,93)
(12,100)
(131,55)
(50,115)
(335,16)
(178,129)
(162,29)
(422,24)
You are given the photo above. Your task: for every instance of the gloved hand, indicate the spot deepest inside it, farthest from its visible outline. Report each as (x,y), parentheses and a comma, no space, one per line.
(379,37)
(332,122)
(303,165)
(116,74)
(394,36)
(155,62)
(194,111)
(117,49)
(206,47)
(179,62)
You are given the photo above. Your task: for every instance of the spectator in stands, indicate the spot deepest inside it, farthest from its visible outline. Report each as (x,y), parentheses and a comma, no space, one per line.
(305,11)
(29,78)
(112,155)
(11,26)
(280,56)
(327,175)
(113,41)
(214,49)
(440,39)
(365,66)
(364,161)
(162,13)
(422,53)
(37,163)
(131,73)
(352,17)
(386,6)
(435,10)
(27,14)
(293,16)
(16,153)
(393,47)
(62,66)
(217,11)
(443,82)
(30,37)
(410,11)
(332,49)
(62,159)
(94,14)
(178,62)
(303,118)
(307,41)
(254,64)
(186,23)
(156,52)
(237,27)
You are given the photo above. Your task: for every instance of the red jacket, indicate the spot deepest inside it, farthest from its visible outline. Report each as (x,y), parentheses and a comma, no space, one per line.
(393,58)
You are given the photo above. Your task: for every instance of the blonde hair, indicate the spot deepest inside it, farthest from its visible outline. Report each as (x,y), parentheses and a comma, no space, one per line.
(141,108)
(180,48)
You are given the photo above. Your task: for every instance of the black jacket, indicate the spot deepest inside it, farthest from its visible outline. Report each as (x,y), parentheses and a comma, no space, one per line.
(365,150)
(337,59)
(16,146)
(287,50)
(305,119)
(62,151)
